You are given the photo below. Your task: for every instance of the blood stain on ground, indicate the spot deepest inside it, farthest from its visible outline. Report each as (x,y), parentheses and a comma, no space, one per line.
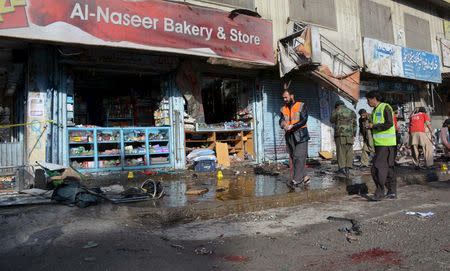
(377,255)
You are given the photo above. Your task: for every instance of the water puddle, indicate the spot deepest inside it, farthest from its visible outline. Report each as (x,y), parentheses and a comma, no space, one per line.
(242,187)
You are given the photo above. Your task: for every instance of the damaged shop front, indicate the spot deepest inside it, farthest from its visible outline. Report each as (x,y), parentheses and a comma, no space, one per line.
(320,73)
(137,85)
(407,78)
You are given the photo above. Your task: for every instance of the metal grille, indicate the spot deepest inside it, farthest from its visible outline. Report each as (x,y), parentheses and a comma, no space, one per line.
(274,143)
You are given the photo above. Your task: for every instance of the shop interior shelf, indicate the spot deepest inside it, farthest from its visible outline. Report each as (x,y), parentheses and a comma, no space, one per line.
(80,156)
(109,155)
(120,138)
(159,153)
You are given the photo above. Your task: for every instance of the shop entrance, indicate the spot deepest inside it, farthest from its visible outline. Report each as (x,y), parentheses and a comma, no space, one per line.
(122,121)
(227,128)
(12,75)
(110,99)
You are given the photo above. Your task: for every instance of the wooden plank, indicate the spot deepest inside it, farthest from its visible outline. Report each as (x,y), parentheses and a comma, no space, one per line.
(223,157)
(326,155)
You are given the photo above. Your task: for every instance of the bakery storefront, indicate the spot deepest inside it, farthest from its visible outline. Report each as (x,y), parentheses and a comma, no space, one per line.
(141,84)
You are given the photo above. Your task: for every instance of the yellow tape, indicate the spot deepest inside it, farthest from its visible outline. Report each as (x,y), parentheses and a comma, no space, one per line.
(24,124)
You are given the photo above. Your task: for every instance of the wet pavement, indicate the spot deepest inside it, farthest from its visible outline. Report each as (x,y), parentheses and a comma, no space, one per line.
(246,187)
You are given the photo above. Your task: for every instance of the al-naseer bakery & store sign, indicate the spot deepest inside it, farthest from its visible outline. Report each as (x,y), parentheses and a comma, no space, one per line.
(142,24)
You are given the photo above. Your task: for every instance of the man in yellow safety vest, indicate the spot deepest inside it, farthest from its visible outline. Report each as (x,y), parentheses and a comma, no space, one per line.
(384,141)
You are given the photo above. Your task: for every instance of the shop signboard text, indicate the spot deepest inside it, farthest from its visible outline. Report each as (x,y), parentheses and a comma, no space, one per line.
(393,60)
(153,25)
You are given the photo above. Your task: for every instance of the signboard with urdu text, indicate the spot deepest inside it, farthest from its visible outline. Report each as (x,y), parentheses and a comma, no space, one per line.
(393,60)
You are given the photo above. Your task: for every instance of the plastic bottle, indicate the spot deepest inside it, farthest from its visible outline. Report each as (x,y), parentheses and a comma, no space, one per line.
(219,174)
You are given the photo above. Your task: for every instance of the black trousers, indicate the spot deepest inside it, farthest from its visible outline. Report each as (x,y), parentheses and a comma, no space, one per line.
(383,170)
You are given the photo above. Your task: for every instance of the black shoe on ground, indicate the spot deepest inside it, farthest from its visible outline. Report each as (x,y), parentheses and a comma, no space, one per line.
(290,185)
(391,196)
(340,171)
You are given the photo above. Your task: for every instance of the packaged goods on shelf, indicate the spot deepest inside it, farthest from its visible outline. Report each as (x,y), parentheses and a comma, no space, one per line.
(108,136)
(110,152)
(130,149)
(160,135)
(189,122)
(139,161)
(162,115)
(81,151)
(134,136)
(109,163)
(83,164)
(155,149)
(81,137)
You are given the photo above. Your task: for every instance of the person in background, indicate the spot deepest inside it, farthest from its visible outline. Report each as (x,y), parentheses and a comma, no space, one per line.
(344,121)
(445,137)
(293,119)
(397,129)
(418,124)
(367,149)
(383,133)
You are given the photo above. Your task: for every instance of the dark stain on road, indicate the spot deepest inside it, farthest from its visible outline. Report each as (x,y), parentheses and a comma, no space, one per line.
(377,255)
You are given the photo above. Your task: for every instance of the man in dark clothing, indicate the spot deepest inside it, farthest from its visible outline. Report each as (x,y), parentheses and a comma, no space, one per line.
(293,119)
(384,139)
(366,134)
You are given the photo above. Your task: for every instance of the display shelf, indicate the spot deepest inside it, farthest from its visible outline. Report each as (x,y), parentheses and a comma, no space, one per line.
(240,141)
(125,139)
(80,156)
(109,155)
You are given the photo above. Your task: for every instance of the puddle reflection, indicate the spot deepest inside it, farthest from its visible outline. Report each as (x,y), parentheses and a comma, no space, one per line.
(241,187)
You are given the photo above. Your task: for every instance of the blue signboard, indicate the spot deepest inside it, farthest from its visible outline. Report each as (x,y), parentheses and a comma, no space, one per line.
(421,65)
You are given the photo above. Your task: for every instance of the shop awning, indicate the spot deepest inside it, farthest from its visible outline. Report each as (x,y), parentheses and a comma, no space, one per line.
(310,52)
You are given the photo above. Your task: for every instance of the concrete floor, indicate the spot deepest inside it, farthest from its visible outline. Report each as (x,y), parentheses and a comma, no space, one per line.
(240,227)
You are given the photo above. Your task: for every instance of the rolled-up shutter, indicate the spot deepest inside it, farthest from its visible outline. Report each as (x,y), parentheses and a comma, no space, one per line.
(273,136)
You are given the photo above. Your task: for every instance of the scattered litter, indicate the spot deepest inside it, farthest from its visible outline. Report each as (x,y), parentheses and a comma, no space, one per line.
(113,189)
(323,247)
(178,247)
(356,227)
(350,238)
(262,171)
(197,192)
(203,251)
(421,214)
(349,231)
(236,258)
(91,244)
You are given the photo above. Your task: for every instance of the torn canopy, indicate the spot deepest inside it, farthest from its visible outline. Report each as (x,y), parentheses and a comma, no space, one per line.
(322,60)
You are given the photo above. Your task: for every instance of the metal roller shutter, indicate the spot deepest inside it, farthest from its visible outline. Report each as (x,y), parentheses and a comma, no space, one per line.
(274,144)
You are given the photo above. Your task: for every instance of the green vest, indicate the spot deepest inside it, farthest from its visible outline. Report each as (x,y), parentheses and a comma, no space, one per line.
(383,138)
